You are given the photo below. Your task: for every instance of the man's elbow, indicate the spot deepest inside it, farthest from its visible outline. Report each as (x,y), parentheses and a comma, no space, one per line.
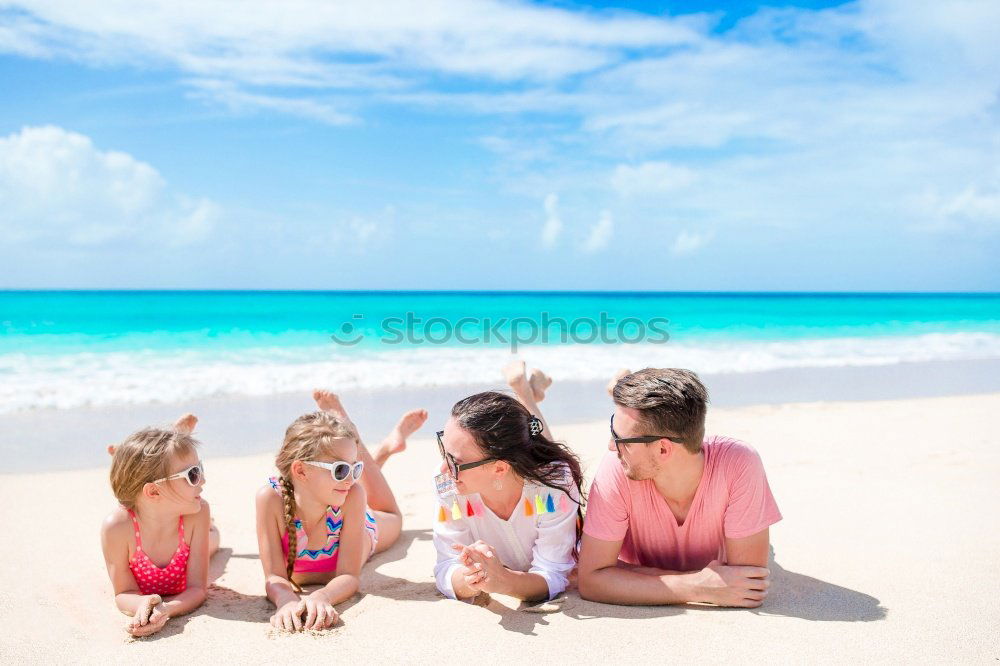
(589,585)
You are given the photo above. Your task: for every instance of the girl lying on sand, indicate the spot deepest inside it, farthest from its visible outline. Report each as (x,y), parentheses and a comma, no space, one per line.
(158,542)
(328,510)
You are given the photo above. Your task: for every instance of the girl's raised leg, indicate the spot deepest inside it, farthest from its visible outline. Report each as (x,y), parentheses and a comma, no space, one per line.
(380,497)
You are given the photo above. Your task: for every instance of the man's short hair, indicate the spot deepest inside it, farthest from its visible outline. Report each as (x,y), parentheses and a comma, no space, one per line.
(671,401)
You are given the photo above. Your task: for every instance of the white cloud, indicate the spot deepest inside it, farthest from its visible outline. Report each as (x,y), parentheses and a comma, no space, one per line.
(973,204)
(337,46)
(359,232)
(792,118)
(600,233)
(236,99)
(800,119)
(56,185)
(553,224)
(364,230)
(974,208)
(651,178)
(689,243)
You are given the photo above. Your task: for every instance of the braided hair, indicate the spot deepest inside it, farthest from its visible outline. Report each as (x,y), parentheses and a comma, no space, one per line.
(307,438)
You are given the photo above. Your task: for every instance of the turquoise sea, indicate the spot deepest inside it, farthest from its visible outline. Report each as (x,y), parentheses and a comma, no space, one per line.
(73,348)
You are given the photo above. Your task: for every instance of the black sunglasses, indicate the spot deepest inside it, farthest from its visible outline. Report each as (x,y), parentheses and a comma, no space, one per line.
(453,465)
(644,439)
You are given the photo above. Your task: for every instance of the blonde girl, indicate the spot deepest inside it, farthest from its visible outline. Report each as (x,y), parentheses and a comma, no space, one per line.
(325,513)
(158,541)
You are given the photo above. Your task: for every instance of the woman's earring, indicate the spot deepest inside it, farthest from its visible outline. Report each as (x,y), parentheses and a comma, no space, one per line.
(497,484)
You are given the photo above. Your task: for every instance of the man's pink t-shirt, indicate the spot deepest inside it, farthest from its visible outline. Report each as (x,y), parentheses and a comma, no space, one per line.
(733,501)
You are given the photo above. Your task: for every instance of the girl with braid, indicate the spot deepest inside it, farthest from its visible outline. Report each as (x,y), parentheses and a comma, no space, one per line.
(158,541)
(328,510)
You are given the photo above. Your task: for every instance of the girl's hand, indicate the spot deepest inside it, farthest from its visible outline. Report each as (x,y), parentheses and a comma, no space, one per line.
(150,616)
(320,613)
(289,616)
(145,608)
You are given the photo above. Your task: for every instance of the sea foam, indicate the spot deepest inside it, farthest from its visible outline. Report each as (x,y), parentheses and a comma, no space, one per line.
(61,381)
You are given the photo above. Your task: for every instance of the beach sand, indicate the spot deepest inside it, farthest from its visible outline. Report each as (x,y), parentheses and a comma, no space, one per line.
(889,551)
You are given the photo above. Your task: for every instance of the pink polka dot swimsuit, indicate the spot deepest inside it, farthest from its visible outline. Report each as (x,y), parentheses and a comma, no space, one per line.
(168,580)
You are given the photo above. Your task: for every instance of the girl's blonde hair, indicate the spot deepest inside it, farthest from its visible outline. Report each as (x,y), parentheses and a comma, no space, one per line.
(144,457)
(308,438)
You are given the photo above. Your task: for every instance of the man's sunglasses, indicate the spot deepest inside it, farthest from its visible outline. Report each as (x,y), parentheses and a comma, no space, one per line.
(340,470)
(454,467)
(194,474)
(644,439)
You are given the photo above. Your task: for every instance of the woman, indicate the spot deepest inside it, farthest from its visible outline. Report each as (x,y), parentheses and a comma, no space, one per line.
(509,498)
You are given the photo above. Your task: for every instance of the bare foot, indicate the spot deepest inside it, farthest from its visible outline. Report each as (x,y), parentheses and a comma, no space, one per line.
(539,382)
(213,538)
(513,374)
(614,380)
(330,402)
(395,441)
(186,424)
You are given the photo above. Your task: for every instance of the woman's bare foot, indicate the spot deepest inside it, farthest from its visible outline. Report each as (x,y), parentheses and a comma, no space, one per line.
(186,424)
(513,374)
(539,382)
(614,380)
(330,402)
(395,441)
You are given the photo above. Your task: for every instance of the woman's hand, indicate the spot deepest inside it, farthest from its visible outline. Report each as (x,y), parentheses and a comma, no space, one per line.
(484,559)
(149,617)
(482,571)
(320,613)
(289,616)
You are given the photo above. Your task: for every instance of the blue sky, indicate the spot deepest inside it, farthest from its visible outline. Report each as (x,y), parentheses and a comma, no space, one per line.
(500,145)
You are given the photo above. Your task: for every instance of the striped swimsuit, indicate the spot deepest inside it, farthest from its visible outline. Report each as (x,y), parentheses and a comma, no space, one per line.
(322,560)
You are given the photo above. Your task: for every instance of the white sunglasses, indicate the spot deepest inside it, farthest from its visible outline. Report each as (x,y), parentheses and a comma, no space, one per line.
(340,469)
(194,474)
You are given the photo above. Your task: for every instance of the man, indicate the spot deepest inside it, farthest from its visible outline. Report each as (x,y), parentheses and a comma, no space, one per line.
(673,517)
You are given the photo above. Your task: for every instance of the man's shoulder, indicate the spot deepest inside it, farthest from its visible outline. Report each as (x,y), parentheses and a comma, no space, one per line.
(729,446)
(730,454)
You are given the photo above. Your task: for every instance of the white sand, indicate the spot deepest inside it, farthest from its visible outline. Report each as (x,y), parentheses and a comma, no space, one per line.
(889,551)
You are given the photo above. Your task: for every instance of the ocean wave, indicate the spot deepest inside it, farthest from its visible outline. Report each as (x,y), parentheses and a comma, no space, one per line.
(63,381)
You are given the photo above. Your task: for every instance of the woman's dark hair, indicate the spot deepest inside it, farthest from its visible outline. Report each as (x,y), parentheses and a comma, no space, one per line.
(501,427)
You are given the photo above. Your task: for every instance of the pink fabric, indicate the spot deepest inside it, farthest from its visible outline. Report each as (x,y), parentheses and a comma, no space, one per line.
(323,560)
(168,580)
(733,501)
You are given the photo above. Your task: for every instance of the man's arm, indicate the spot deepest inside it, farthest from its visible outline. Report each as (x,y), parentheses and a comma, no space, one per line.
(601,579)
(753,550)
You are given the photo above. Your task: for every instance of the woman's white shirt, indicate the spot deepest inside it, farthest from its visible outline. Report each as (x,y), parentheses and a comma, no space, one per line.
(540,543)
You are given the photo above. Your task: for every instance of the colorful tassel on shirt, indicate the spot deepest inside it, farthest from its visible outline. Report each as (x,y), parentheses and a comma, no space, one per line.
(442,516)
(468,509)
(456,513)
(527,507)
(539,505)
(563,504)
(550,506)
